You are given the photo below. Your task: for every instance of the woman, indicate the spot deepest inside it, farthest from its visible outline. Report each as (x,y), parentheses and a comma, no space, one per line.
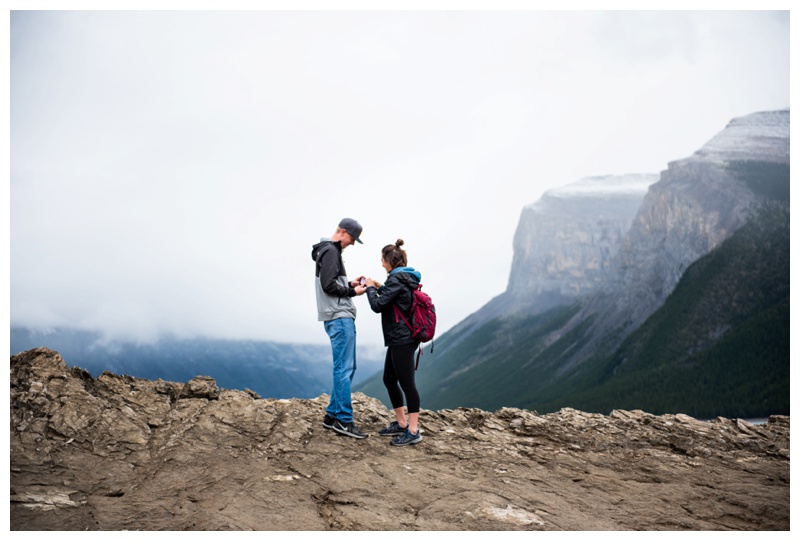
(398,370)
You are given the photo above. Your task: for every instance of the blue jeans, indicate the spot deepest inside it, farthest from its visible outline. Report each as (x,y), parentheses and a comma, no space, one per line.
(342,333)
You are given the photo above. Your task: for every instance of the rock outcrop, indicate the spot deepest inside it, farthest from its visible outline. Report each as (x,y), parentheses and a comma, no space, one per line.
(121,453)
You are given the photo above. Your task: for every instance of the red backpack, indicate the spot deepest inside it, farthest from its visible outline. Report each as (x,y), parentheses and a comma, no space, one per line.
(423,319)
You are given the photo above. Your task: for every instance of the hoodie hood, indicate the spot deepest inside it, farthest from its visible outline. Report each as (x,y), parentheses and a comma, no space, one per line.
(315,249)
(408,270)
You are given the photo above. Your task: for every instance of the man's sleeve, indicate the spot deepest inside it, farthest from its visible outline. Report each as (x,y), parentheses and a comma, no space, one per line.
(329,275)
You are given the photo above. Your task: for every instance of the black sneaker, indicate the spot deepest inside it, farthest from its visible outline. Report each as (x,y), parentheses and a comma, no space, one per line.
(407,438)
(348,429)
(327,421)
(393,429)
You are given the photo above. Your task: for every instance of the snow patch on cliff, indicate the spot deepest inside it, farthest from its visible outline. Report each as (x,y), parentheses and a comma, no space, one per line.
(763,134)
(601,187)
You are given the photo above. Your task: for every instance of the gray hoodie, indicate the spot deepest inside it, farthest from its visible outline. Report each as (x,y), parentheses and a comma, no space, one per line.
(334,294)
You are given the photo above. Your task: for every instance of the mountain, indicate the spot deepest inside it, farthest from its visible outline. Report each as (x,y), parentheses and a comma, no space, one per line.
(270,369)
(698,202)
(719,345)
(645,333)
(117,453)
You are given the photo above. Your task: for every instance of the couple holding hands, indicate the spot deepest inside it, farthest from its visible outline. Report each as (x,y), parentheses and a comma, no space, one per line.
(335,308)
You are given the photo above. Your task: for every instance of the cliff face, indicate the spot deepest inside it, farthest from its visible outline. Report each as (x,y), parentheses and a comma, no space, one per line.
(121,453)
(699,202)
(566,241)
(564,245)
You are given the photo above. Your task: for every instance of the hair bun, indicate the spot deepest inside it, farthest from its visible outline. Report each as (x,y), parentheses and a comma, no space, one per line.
(399,243)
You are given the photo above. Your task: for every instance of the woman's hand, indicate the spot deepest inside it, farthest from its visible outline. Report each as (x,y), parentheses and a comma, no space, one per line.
(373,283)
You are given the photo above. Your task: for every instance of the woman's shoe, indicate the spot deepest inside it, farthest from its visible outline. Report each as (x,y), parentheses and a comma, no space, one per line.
(407,438)
(393,429)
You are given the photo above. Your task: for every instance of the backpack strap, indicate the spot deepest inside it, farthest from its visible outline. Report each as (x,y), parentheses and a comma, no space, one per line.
(398,315)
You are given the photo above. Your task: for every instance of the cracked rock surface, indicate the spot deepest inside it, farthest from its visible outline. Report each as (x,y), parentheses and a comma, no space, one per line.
(121,453)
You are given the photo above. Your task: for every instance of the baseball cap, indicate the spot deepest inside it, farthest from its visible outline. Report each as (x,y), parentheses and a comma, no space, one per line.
(352,227)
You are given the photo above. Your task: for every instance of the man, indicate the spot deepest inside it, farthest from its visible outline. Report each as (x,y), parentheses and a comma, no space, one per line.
(336,309)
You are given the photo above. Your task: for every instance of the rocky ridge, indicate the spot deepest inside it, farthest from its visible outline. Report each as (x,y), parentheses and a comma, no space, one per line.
(121,453)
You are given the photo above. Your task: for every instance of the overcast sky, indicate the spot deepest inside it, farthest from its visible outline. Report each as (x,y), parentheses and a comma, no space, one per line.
(171,170)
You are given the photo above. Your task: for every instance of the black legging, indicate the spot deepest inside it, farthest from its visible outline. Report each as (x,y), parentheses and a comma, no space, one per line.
(398,373)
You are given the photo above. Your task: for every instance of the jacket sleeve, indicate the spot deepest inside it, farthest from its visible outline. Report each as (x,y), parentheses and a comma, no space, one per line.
(329,275)
(383,300)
